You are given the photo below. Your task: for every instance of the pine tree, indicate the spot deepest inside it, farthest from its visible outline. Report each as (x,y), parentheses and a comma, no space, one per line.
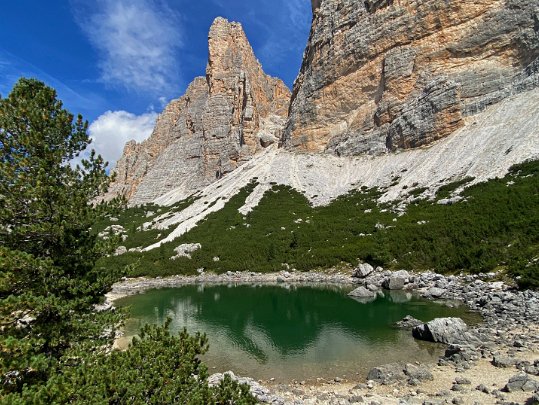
(47,252)
(54,346)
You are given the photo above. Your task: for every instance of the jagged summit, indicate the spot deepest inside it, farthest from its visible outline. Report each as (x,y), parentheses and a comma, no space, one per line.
(220,123)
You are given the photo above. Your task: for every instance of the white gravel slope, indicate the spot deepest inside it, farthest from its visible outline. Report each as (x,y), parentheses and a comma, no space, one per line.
(491,142)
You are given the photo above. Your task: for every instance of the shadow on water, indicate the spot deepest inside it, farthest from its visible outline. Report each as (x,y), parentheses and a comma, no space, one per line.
(275,325)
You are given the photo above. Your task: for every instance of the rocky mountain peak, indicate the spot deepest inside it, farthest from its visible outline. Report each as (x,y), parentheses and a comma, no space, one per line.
(377,76)
(229,53)
(220,123)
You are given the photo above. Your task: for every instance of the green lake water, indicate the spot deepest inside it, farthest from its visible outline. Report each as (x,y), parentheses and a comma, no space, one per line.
(291,332)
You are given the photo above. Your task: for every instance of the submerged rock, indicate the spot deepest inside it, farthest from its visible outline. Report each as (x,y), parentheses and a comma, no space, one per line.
(399,296)
(362,292)
(408,322)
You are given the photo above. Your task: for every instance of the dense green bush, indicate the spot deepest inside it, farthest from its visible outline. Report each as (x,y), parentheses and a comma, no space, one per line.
(494,228)
(158,368)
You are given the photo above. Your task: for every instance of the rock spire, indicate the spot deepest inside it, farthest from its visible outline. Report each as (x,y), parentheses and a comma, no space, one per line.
(220,122)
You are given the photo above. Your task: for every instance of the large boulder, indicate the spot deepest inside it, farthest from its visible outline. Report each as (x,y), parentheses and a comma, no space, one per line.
(387,373)
(186,250)
(363,270)
(441,330)
(120,250)
(501,361)
(522,382)
(396,280)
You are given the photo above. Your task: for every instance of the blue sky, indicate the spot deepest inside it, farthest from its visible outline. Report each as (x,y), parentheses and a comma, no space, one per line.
(118,62)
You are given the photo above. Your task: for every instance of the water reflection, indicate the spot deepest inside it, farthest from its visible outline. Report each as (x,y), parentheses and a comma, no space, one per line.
(299,332)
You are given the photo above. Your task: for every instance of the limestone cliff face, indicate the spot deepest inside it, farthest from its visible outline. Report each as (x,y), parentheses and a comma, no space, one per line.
(220,122)
(381,75)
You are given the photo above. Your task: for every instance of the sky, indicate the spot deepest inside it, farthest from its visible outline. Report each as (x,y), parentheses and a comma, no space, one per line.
(119,62)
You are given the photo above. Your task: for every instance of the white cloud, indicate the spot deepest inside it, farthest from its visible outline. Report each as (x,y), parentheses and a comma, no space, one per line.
(299,13)
(112,130)
(137,42)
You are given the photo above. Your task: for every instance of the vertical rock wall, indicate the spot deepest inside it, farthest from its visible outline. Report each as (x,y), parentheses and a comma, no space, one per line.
(381,75)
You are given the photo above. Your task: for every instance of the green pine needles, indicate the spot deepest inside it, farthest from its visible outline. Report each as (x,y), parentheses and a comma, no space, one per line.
(54,346)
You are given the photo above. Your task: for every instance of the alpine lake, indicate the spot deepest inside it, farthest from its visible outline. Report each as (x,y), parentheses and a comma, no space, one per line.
(292,332)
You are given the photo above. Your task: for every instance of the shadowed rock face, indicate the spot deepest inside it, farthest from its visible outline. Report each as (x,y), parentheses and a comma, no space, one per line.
(222,120)
(382,75)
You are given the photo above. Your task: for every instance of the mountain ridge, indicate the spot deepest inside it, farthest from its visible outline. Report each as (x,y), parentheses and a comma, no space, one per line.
(432,86)
(480,152)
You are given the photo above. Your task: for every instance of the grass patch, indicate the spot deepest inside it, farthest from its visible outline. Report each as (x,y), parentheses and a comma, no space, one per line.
(133,219)
(446,190)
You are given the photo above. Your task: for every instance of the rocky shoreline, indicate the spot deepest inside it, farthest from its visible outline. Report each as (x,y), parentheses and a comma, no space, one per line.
(496,361)
(134,286)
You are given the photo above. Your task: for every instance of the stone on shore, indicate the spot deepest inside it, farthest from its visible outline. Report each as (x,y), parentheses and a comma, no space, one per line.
(418,372)
(441,330)
(363,270)
(387,373)
(522,382)
(396,280)
(435,292)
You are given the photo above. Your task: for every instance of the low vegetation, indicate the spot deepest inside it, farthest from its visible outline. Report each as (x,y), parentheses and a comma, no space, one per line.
(494,228)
